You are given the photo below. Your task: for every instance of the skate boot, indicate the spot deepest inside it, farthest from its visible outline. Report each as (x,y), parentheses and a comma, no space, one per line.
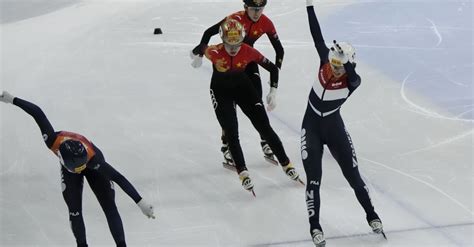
(377,227)
(244,177)
(268,153)
(228,161)
(291,172)
(318,238)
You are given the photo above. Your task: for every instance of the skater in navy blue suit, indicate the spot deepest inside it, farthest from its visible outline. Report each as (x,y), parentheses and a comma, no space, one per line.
(80,158)
(323,125)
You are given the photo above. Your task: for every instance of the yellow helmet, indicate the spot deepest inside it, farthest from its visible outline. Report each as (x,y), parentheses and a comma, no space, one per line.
(232,32)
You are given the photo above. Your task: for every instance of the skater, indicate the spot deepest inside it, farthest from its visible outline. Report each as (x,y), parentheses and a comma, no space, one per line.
(80,158)
(230,84)
(323,124)
(255,24)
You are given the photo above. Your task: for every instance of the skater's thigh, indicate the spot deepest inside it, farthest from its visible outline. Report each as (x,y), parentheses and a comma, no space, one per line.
(254,75)
(223,104)
(312,145)
(340,144)
(250,104)
(102,187)
(72,186)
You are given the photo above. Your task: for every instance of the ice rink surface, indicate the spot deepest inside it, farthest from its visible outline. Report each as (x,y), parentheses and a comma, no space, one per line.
(96,68)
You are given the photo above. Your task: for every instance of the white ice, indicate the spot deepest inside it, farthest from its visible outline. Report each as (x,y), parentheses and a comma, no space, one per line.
(96,68)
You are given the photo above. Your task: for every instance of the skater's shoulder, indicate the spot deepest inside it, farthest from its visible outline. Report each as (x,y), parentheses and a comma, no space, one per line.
(214,50)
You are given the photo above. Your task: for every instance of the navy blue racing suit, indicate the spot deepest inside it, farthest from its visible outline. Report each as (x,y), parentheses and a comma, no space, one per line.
(98,173)
(323,125)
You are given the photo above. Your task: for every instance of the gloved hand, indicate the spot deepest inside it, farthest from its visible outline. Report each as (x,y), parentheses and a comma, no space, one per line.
(344,58)
(197,60)
(309,2)
(271,99)
(146,208)
(6,97)
(199,50)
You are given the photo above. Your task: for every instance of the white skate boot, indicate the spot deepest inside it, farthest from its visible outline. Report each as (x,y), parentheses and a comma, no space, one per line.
(268,153)
(318,238)
(291,172)
(228,161)
(244,177)
(377,227)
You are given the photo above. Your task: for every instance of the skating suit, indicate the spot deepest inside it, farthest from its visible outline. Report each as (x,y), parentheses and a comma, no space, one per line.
(323,125)
(253,31)
(98,172)
(231,84)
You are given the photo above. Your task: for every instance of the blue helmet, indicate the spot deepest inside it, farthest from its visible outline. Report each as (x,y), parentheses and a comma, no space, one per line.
(73,156)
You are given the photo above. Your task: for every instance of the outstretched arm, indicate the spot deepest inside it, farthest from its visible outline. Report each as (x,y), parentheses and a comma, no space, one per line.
(35,111)
(109,172)
(316,32)
(213,30)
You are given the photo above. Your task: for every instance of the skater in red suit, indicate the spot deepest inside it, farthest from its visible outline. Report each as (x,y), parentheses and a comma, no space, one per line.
(256,24)
(230,84)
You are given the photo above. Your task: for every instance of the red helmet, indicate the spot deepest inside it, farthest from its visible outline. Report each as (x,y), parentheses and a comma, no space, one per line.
(232,32)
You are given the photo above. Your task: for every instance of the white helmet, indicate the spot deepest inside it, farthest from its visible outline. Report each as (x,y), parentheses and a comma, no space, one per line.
(337,50)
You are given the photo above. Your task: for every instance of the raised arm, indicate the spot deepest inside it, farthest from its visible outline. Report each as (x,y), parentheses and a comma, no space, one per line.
(38,115)
(316,32)
(47,130)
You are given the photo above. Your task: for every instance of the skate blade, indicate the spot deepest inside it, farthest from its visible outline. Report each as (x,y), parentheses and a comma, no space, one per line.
(380,233)
(323,244)
(271,160)
(253,193)
(229,166)
(300,181)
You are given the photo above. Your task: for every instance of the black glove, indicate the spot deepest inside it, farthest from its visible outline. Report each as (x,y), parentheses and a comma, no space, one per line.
(198,50)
